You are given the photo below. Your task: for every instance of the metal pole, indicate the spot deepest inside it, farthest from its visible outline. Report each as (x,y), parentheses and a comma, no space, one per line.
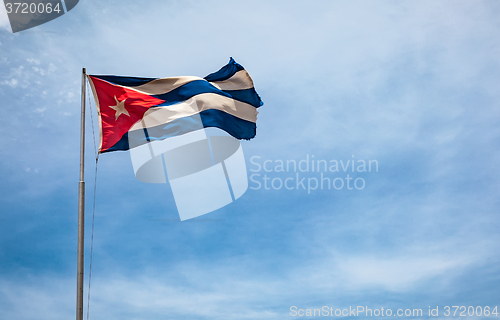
(81,210)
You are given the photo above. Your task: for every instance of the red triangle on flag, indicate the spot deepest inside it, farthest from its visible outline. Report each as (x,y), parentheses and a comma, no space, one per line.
(119,109)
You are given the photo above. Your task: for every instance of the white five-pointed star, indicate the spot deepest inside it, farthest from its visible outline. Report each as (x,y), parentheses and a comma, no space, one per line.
(119,108)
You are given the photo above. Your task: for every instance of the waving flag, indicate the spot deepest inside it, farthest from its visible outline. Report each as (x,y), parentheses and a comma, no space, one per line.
(169,107)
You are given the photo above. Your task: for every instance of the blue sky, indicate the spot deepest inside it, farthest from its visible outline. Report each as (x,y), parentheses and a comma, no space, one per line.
(413,85)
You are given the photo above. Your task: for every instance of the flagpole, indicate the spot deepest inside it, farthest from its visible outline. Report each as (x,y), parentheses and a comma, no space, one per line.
(81,210)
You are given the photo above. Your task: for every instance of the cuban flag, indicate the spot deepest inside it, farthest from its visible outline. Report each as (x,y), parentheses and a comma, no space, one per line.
(169,107)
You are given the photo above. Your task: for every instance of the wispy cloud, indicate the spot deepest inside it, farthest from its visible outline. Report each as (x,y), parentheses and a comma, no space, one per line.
(230,289)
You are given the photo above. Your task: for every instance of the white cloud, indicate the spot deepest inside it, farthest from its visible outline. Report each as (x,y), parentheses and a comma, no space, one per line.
(33,61)
(44,298)
(397,274)
(229,289)
(17,76)
(11,82)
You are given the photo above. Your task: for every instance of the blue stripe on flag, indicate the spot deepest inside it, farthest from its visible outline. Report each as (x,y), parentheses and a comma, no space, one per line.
(238,128)
(225,72)
(249,96)
(196,87)
(125,81)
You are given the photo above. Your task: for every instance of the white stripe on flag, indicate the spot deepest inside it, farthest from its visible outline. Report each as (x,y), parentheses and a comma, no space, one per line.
(164,85)
(239,81)
(161,115)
